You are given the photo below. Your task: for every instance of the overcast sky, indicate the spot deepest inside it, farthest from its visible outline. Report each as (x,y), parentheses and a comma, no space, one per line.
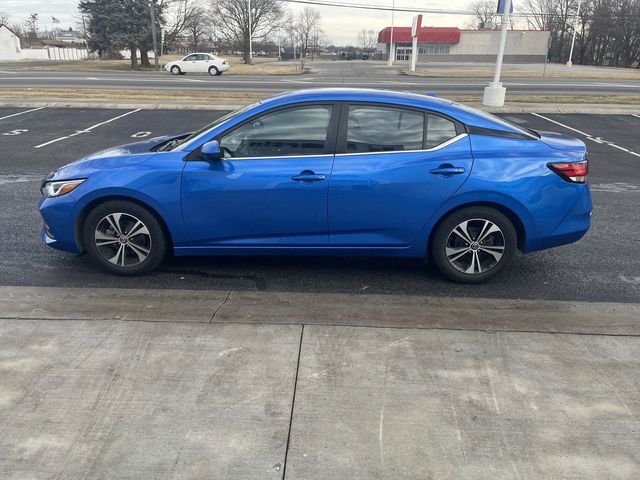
(341,24)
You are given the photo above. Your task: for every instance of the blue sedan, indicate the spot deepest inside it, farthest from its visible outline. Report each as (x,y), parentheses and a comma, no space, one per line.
(328,171)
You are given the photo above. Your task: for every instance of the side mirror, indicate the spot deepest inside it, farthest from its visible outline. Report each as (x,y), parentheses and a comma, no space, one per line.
(211,151)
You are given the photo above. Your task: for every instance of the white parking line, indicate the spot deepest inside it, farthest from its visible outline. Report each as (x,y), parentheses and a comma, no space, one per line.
(635,115)
(87,130)
(587,135)
(21,113)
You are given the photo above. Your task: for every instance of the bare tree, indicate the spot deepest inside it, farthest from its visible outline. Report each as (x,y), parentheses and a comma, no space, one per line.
(367,39)
(180,16)
(31,28)
(318,39)
(4,18)
(484,11)
(538,13)
(266,17)
(307,21)
(197,27)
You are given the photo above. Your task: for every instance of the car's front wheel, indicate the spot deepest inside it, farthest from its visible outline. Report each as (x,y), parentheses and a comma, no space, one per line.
(175,70)
(214,72)
(474,244)
(124,238)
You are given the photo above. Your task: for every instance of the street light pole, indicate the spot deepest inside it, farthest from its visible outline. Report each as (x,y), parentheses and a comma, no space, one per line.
(392,50)
(250,37)
(573,40)
(494,94)
(153,33)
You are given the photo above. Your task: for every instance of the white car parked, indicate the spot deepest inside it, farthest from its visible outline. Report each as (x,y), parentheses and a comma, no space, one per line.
(198,63)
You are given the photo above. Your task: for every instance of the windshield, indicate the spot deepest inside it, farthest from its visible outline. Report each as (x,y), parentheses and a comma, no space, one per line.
(495,119)
(213,124)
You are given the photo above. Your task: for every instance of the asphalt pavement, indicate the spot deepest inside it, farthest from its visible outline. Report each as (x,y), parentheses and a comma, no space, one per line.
(321,74)
(604,266)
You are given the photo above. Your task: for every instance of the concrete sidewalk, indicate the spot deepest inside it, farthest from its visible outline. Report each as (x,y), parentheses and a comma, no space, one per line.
(193,385)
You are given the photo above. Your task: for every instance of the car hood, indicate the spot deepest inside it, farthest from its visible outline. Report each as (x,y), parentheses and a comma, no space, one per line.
(122,156)
(560,141)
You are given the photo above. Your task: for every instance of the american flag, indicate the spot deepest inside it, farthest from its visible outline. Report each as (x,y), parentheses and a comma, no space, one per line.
(54,19)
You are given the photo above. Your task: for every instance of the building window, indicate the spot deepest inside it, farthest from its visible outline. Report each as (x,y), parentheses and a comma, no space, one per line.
(434,48)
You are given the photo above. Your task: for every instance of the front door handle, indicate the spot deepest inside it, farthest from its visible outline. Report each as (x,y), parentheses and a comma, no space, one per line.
(308,176)
(447,170)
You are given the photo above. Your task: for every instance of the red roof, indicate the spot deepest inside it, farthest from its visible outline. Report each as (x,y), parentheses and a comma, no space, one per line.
(448,35)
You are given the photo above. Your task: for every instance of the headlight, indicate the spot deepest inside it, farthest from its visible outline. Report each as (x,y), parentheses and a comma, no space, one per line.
(59,187)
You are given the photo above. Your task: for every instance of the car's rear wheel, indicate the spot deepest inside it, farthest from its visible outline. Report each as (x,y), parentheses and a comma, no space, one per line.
(214,72)
(124,238)
(175,70)
(474,244)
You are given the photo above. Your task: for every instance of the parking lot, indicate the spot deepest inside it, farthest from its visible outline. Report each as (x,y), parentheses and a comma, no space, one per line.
(261,367)
(604,266)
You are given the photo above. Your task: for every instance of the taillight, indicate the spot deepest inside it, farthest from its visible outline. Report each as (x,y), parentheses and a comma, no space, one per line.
(574,172)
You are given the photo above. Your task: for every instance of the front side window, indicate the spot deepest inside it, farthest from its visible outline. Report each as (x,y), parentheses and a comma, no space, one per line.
(439,130)
(291,132)
(383,129)
(191,58)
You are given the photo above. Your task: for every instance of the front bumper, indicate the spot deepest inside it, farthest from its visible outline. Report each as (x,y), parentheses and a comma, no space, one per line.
(59,215)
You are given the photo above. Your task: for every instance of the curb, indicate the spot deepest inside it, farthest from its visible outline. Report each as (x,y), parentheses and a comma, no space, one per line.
(568,108)
(125,105)
(360,310)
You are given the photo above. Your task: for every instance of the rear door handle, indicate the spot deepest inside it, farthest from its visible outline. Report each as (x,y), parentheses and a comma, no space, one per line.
(447,170)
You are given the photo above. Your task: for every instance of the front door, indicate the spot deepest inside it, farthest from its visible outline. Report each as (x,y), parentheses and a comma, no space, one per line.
(403,54)
(396,168)
(271,187)
(189,64)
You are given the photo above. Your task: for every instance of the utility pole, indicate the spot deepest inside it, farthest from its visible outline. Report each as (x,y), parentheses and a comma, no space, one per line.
(573,39)
(153,32)
(161,44)
(415,29)
(494,94)
(392,50)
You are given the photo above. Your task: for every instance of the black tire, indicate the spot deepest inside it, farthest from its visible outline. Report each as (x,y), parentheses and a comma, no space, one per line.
(175,70)
(127,251)
(213,71)
(475,261)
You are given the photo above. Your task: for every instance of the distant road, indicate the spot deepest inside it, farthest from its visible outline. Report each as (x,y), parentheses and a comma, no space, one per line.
(330,74)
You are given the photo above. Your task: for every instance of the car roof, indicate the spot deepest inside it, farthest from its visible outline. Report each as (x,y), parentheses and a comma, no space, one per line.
(464,114)
(356,94)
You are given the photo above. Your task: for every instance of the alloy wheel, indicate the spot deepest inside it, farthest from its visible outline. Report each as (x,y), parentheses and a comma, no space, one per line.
(475,246)
(123,239)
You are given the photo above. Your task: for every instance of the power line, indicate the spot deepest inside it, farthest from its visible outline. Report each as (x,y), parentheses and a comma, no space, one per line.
(360,6)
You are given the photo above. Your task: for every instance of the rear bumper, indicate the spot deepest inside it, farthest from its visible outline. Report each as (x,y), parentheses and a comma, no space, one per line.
(571,228)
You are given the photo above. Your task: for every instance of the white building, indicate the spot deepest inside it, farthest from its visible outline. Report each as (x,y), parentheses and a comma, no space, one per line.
(9,44)
(450,44)
(53,50)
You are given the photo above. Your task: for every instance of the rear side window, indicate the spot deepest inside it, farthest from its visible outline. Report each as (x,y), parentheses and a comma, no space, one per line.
(383,129)
(439,130)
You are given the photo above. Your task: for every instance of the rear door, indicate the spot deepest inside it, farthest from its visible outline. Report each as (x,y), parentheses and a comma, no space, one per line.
(394,167)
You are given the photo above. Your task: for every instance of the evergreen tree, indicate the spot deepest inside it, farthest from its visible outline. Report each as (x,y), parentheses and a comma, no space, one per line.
(118,24)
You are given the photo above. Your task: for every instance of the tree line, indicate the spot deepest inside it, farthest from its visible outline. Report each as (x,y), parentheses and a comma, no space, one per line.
(112,25)
(607,31)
